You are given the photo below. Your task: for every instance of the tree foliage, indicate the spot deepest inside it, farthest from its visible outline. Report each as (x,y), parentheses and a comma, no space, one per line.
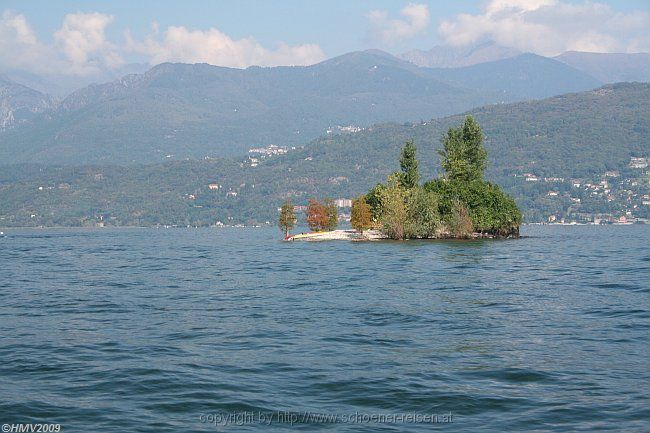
(460,222)
(409,164)
(361,214)
(373,198)
(458,204)
(393,218)
(463,156)
(332,213)
(317,217)
(288,218)
(423,217)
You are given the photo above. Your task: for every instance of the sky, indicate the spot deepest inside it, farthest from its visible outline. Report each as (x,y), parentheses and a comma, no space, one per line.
(81,38)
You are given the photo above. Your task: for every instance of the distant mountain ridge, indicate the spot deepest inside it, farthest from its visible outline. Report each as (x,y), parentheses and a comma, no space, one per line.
(610,67)
(513,77)
(445,56)
(61,85)
(19,103)
(191,111)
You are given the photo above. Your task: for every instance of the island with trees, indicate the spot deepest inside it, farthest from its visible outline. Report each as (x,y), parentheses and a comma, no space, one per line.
(459,204)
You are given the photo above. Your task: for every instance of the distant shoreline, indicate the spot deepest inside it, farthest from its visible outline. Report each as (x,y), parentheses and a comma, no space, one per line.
(3,228)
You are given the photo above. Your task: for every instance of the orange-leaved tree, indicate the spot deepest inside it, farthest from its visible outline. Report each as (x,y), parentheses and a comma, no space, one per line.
(361,215)
(316,216)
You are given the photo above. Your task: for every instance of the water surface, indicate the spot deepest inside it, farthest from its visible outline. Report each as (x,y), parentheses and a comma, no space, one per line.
(172,329)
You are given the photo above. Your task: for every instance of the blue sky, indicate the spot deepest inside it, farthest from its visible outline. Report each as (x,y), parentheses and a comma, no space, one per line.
(337,26)
(81,37)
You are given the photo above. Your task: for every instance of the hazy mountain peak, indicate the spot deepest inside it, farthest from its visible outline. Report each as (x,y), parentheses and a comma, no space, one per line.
(610,67)
(446,56)
(365,57)
(19,103)
(525,76)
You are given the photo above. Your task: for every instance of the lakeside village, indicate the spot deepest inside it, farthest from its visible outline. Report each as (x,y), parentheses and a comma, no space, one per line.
(618,197)
(613,197)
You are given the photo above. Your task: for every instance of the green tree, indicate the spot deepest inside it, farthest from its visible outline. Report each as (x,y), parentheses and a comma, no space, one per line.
(288,218)
(361,214)
(332,213)
(393,218)
(409,164)
(373,198)
(460,221)
(463,156)
(491,210)
(423,218)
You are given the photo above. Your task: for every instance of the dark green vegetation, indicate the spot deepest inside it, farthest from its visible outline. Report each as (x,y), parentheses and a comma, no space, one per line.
(177,111)
(287,219)
(575,136)
(455,205)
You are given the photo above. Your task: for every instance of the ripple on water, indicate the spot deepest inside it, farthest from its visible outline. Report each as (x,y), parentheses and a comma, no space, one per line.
(145,330)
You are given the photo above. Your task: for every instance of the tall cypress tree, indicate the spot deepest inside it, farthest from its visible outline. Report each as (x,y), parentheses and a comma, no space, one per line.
(476,153)
(287,218)
(409,165)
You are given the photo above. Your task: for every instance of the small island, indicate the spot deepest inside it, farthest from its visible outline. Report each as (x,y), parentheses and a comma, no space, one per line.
(460,204)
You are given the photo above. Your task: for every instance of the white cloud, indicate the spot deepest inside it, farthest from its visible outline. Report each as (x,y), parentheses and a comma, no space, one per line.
(391,31)
(82,40)
(17,24)
(80,47)
(550,27)
(19,46)
(179,44)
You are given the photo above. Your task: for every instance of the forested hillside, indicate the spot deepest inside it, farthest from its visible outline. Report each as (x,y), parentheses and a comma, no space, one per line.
(176,111)
(536,150)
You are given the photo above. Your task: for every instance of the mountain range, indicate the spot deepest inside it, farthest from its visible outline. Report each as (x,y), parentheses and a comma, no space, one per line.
(192,111)
(605,67)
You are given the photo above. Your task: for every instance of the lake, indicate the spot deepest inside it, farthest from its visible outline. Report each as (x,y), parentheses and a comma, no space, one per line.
(127,330)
